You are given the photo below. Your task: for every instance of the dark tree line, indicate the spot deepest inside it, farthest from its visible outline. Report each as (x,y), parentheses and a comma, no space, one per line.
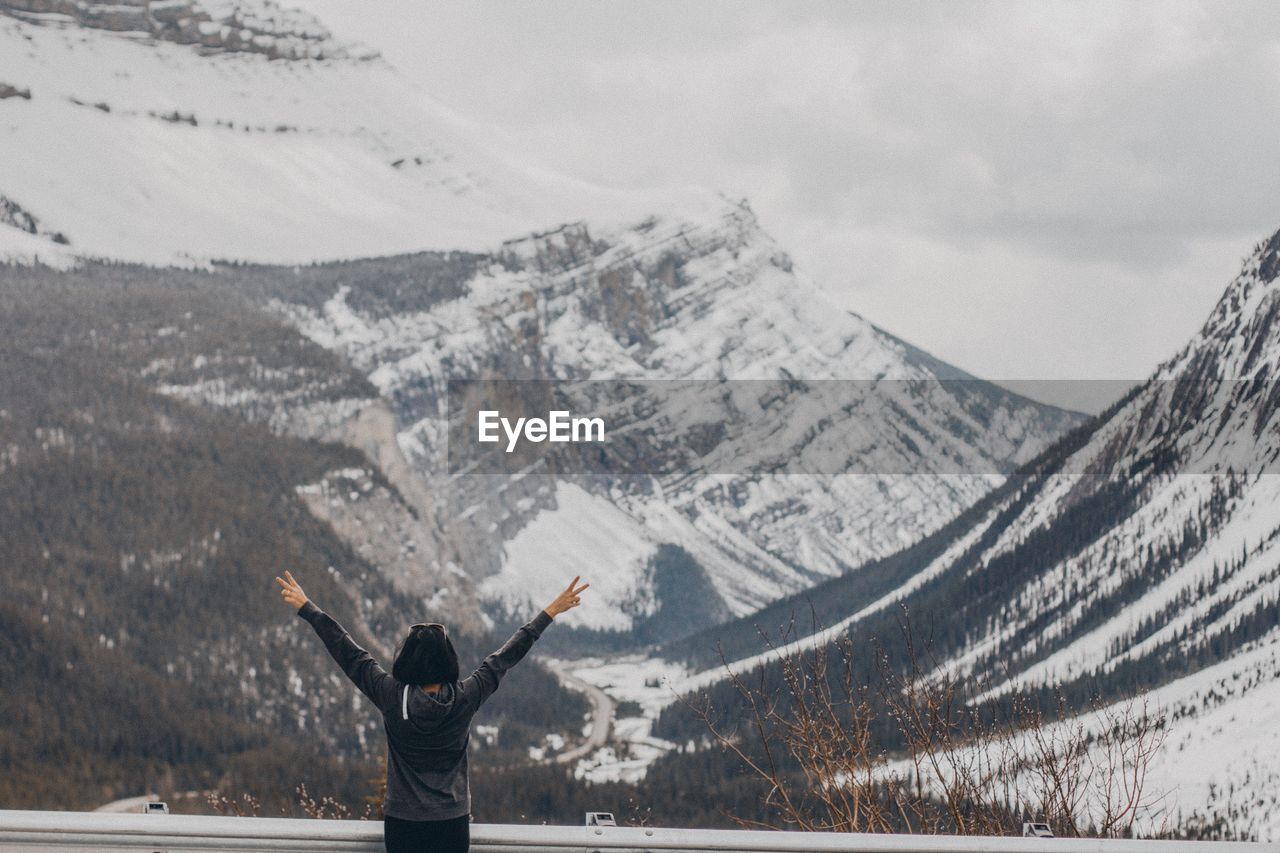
(142,645)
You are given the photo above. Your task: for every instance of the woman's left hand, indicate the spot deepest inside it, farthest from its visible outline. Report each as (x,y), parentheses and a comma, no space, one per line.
(566,600)
(291,591)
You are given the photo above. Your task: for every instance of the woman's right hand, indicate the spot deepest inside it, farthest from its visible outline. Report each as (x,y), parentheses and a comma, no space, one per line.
(568,599)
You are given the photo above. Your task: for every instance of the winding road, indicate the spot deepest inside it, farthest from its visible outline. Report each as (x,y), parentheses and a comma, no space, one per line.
(602,706)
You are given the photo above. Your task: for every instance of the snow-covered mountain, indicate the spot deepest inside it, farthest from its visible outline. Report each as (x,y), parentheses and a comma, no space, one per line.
(266,139)
(1179,589)
(1142,552)
(682,298)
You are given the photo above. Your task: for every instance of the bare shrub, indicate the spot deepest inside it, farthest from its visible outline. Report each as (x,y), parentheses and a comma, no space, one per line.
(329,808)
(323,808)
(921,749)
(245,805)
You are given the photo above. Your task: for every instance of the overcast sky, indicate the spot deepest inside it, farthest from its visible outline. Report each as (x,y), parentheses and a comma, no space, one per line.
(1029,191)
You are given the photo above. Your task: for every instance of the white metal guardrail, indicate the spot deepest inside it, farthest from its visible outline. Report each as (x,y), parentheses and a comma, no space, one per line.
(43,832)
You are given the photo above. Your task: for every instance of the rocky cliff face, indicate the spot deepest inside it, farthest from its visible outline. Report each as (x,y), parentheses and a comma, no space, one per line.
(251,27)
(672,298)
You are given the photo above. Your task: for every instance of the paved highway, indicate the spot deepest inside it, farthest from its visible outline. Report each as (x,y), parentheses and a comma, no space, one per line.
(602,706)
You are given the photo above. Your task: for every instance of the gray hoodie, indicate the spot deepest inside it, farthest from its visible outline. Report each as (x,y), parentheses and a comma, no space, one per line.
(427,733)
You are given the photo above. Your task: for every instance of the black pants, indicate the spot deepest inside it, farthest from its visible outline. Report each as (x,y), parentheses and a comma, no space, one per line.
(427,836)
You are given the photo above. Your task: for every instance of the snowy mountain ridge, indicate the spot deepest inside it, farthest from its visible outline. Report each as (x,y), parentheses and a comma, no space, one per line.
(677,298)
(149,150)
(1142,554)
(252,26)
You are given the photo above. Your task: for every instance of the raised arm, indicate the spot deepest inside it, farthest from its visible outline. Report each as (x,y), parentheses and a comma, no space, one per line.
(481,684)
(357,663)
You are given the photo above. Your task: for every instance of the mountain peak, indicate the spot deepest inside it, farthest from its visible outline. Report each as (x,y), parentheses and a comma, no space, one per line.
(1241,338)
